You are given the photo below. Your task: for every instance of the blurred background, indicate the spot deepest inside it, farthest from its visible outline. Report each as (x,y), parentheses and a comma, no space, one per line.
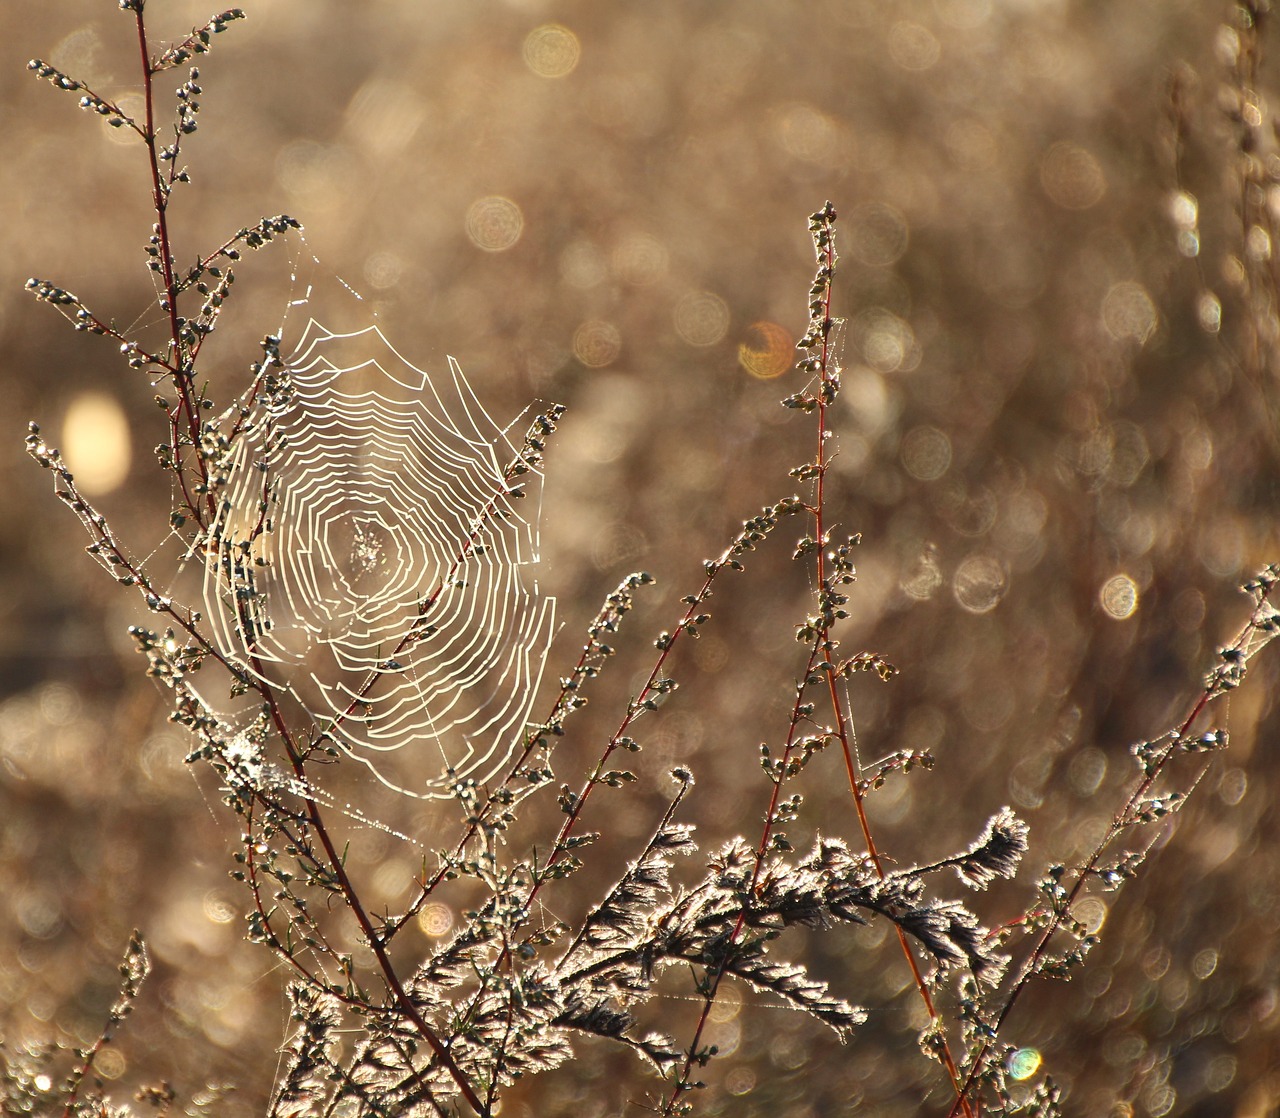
(1057,436)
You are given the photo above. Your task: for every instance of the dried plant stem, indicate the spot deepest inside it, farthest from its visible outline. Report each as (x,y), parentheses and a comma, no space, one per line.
(351,897)
(1263,626)
(186,412)
(828,386)
(820,664)
(201,504)
(133,972)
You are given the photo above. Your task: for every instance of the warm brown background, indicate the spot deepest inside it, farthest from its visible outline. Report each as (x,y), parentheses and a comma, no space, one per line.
(1005,175)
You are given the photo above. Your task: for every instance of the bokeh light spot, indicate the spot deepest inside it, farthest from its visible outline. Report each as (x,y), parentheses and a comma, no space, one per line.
(318,174)
(913,46)
(597,344)
(1119,597)
(494,223)
(726,1038)
(701,318)
(1184,211)
(1072,177)
(217,909)
(1159,1099)
(383,269)
(435,919)
(1022,518)
(1221,546)
(134,106)
(923,580)
(773,357)
(1233,786)
(1257,244)
(879,234)
(1204,963)
(1024,1063)
(728,1004)
(926,453)
(979,583)
(110,1063)
(887,343)
(618,544)
(640,260)
(1128,312)
(392,878)
(582,265)
(383,116)
(96,443)
(1209,312)
(551,51)
(1087,770)
(1220,1072)
(1090,913)
(810,135)
(78,53)
(40,916)
(1129,454)
(872,409)
(59,704)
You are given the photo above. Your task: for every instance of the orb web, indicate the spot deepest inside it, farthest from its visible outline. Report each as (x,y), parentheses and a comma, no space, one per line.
(371,560)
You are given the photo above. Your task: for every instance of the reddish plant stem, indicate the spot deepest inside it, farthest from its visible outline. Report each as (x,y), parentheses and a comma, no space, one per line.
(828,376)
(184,421)
(334,860)
(819,653)
(428,886)
(187,410)
(352,900)
(1063,909)
(634,710)
(797,716)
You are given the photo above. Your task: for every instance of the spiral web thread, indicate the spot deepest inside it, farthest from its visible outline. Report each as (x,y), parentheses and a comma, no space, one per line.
(370,560)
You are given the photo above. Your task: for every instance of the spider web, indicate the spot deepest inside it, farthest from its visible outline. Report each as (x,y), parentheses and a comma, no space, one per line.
(370,560)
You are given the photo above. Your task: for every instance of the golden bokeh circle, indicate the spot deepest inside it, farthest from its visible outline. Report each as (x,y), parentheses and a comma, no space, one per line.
(597,344)
(494,223)
(701,318)
(773,356)
(1072,177)
(551,51)
(1119,597)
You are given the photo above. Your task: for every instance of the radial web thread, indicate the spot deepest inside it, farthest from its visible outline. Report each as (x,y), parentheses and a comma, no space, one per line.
(371,560)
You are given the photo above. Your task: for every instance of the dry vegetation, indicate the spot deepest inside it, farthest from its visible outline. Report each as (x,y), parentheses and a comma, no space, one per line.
(1057,436)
